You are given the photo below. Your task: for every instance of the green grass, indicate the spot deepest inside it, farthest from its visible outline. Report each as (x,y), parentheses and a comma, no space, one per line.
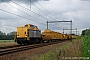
(86,46)
(5,41)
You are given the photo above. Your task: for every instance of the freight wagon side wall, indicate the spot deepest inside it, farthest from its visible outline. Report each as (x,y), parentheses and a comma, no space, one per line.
(60,36)
(47,36)
(56,35)
(53,35)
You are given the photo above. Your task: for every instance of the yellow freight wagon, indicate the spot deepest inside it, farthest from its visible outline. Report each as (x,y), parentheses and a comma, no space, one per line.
(70,37)
(51,35)
(54,36)
(60,36)
(74,36)
(47,35)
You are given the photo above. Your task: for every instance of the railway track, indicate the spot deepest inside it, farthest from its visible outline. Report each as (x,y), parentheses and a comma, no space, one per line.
(22,48)
(9,47)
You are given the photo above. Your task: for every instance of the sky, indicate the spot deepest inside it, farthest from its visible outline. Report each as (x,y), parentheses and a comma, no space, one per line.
(15,13)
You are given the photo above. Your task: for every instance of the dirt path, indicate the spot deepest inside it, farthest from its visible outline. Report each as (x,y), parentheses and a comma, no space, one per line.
(72,52)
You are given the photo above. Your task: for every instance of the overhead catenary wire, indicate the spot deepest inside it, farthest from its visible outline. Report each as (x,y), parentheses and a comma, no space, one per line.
(46,9)
(20,16)
(28,9)
(42,11)
(31,10)
(30,4)
(22,11)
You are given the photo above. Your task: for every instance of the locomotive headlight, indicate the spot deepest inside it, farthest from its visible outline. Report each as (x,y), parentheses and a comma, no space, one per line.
(17,35)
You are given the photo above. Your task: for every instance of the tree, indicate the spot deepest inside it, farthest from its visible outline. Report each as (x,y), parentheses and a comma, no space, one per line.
(8,36)
(2,36)
(86,32)
(11,35)
(83,32)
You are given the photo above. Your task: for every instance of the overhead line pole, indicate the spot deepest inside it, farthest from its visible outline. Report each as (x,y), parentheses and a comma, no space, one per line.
(71,26)
(47,24)
(30,4)
(61,21)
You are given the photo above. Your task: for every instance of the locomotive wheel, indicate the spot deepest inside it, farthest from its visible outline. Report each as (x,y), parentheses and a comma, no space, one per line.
(20,43)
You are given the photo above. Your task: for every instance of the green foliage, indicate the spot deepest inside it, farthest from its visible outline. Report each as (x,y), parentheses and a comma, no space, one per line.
(8,36)
(2,35)
(86,46)
(83,32)
(86,32)
(50,56)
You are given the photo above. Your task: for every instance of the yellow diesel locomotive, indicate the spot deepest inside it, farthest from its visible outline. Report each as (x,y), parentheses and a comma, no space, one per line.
(28,34)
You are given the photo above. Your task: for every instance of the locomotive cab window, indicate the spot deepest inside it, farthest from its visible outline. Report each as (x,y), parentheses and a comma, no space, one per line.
(32,26)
